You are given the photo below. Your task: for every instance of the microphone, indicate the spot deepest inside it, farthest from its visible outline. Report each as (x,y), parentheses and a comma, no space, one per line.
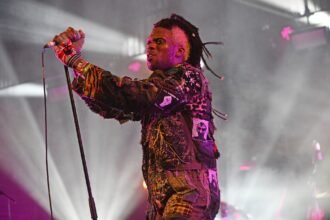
(67,50)
(49,44)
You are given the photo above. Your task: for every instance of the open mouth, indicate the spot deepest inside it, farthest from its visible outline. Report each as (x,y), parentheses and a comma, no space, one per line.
(150,56)
(149,59)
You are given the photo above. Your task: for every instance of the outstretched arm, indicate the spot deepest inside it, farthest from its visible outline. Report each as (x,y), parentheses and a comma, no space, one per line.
(104,91)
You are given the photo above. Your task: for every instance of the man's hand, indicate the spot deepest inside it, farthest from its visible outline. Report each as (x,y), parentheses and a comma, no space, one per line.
(68,45)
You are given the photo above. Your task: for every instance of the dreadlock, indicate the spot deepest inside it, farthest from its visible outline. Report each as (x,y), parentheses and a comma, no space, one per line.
(197,47)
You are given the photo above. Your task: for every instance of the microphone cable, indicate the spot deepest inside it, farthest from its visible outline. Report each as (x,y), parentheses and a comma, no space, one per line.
(46,134)
(91,202)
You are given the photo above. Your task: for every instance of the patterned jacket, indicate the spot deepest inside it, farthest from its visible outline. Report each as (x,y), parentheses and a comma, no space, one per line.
(174,108)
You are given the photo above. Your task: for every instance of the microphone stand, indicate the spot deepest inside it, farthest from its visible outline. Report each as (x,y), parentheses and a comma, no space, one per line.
(92,206)
(315,206)
(316,211)
(9,200)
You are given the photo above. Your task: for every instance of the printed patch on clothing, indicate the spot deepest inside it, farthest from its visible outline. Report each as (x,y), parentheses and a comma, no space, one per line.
(200,129)
(213,178)
(166,100)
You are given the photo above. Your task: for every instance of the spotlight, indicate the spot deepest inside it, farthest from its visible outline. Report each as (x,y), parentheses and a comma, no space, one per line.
(310,38)
(285,33)
(135,67)
(23,90)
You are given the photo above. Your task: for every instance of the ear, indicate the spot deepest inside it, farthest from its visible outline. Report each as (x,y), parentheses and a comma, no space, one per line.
(180,52)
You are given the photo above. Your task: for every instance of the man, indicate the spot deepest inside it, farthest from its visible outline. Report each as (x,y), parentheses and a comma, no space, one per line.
(174,107)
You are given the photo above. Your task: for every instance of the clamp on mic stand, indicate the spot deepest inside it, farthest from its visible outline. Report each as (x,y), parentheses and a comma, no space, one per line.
(92,206)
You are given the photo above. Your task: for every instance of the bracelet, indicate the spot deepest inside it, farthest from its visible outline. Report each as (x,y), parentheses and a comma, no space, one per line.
(73,59)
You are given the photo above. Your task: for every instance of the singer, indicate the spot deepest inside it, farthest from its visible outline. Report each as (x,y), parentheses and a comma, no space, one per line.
(175,111)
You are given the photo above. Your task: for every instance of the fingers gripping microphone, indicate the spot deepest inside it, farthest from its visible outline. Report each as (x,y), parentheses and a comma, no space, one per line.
(76,36)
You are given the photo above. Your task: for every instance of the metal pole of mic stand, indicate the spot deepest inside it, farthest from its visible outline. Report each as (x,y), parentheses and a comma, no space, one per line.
(92,206)
(9,200)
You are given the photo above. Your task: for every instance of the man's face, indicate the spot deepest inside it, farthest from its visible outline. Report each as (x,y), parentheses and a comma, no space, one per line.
(161,49)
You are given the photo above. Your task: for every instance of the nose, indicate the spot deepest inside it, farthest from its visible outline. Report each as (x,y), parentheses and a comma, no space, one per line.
(150,46)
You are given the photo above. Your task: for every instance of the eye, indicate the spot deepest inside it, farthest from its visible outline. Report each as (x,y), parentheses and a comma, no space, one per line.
(159,41)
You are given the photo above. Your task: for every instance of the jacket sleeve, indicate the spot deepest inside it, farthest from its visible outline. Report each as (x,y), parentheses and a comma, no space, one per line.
(105,92)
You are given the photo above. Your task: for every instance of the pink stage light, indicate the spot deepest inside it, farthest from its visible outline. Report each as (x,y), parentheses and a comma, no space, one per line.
(134,67)
(285,33)
(245,168)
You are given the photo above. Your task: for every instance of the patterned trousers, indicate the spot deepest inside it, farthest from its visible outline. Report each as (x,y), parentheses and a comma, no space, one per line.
(195,196)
